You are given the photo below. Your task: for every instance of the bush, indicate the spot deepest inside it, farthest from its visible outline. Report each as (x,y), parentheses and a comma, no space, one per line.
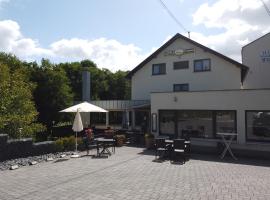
(66,143)
(59,146)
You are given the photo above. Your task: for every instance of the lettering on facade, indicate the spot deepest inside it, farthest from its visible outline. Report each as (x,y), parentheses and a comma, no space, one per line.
(265,56)
(178,52)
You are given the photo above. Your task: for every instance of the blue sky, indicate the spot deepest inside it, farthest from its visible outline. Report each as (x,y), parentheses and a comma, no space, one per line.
(118,34)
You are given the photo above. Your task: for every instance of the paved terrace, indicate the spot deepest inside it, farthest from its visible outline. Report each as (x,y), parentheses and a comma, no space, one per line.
(131,174)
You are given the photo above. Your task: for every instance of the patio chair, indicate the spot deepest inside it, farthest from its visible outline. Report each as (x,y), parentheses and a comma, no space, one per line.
(160,147)
(179,149)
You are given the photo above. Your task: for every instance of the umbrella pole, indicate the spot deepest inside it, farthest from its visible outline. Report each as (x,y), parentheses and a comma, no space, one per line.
(76,143)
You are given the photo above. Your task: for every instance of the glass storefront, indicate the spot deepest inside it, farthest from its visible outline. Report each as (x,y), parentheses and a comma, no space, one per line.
(167,122)
(196,123)
(258,125)
(225,122)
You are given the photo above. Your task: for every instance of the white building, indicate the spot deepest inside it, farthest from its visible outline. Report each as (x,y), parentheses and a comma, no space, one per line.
(256,55)
(197,91)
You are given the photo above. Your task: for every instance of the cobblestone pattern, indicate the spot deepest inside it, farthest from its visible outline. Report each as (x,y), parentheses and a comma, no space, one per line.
(131,174)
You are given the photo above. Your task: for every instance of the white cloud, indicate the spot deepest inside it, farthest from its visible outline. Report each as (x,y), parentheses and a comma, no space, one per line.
(238,21)
(107,53)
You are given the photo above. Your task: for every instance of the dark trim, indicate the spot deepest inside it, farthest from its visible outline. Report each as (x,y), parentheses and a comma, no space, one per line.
(244,69)
(213,112)
(254,140)
(160,65)
(202,70)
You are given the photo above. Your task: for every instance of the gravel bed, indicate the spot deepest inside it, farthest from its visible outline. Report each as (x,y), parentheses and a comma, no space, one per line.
(5,165)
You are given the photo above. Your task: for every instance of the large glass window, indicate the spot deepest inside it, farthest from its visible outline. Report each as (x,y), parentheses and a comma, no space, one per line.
(97,118)
(258,125)
(195,124)
(225,121)
(158,69)
(202,65)
(167,122)
(116,117)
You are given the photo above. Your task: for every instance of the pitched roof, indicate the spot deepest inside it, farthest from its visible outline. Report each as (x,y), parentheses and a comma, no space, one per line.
(243,68)
(267,34)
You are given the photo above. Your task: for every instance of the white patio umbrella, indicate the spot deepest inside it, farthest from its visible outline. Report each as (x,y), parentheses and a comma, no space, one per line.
(77,127)
(82,107)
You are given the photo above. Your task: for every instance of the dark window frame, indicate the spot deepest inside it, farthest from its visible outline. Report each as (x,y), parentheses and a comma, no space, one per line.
(201,60)
(160,73)
(181,85)
(182,67)
(253,140)
(214,112)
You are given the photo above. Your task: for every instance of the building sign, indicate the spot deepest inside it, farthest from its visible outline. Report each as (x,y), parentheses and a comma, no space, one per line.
(265,56)
(178,52)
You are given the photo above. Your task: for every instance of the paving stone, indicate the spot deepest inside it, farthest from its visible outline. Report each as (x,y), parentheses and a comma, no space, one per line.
(130,173)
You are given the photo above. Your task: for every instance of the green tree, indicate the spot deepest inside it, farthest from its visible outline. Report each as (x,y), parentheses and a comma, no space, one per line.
(17,110)
(52,93)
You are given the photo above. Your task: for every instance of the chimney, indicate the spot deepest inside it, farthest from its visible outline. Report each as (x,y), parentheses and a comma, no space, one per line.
(86,86)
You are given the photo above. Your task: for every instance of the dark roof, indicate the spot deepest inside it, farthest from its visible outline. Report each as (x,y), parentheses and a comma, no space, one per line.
(244,68)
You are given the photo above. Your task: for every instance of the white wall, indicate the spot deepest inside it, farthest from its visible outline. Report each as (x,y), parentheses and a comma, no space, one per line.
(259,71)
(223,75)
(239,100)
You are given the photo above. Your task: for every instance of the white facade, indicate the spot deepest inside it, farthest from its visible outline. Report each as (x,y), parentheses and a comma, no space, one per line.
(256,55)
(223,74)
(236,100)
(220,89)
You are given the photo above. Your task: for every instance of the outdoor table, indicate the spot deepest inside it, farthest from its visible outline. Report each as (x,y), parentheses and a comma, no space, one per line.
(227,143)
(105,144)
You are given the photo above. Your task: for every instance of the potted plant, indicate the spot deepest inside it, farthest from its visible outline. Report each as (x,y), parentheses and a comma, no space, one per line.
(120,140)
(149,140)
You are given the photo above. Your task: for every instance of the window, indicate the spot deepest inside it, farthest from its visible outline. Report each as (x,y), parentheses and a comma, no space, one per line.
(167,122)
(258,125)
(202,65)
(195,123)
(115,117)
(98,118)
(225,122)
(181,65)
(158,69)
(180,87)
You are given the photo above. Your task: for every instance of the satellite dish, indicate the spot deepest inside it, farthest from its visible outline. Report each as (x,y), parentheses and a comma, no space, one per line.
(179,52)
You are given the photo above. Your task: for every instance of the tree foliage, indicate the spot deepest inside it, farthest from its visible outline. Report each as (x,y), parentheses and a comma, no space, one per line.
(52,92)
(32,94)
(17,110)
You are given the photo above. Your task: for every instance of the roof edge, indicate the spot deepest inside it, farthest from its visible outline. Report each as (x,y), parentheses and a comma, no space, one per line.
(244,69)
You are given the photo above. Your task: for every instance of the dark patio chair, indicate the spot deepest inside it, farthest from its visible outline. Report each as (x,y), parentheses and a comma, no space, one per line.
(179,149)
(160,147)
